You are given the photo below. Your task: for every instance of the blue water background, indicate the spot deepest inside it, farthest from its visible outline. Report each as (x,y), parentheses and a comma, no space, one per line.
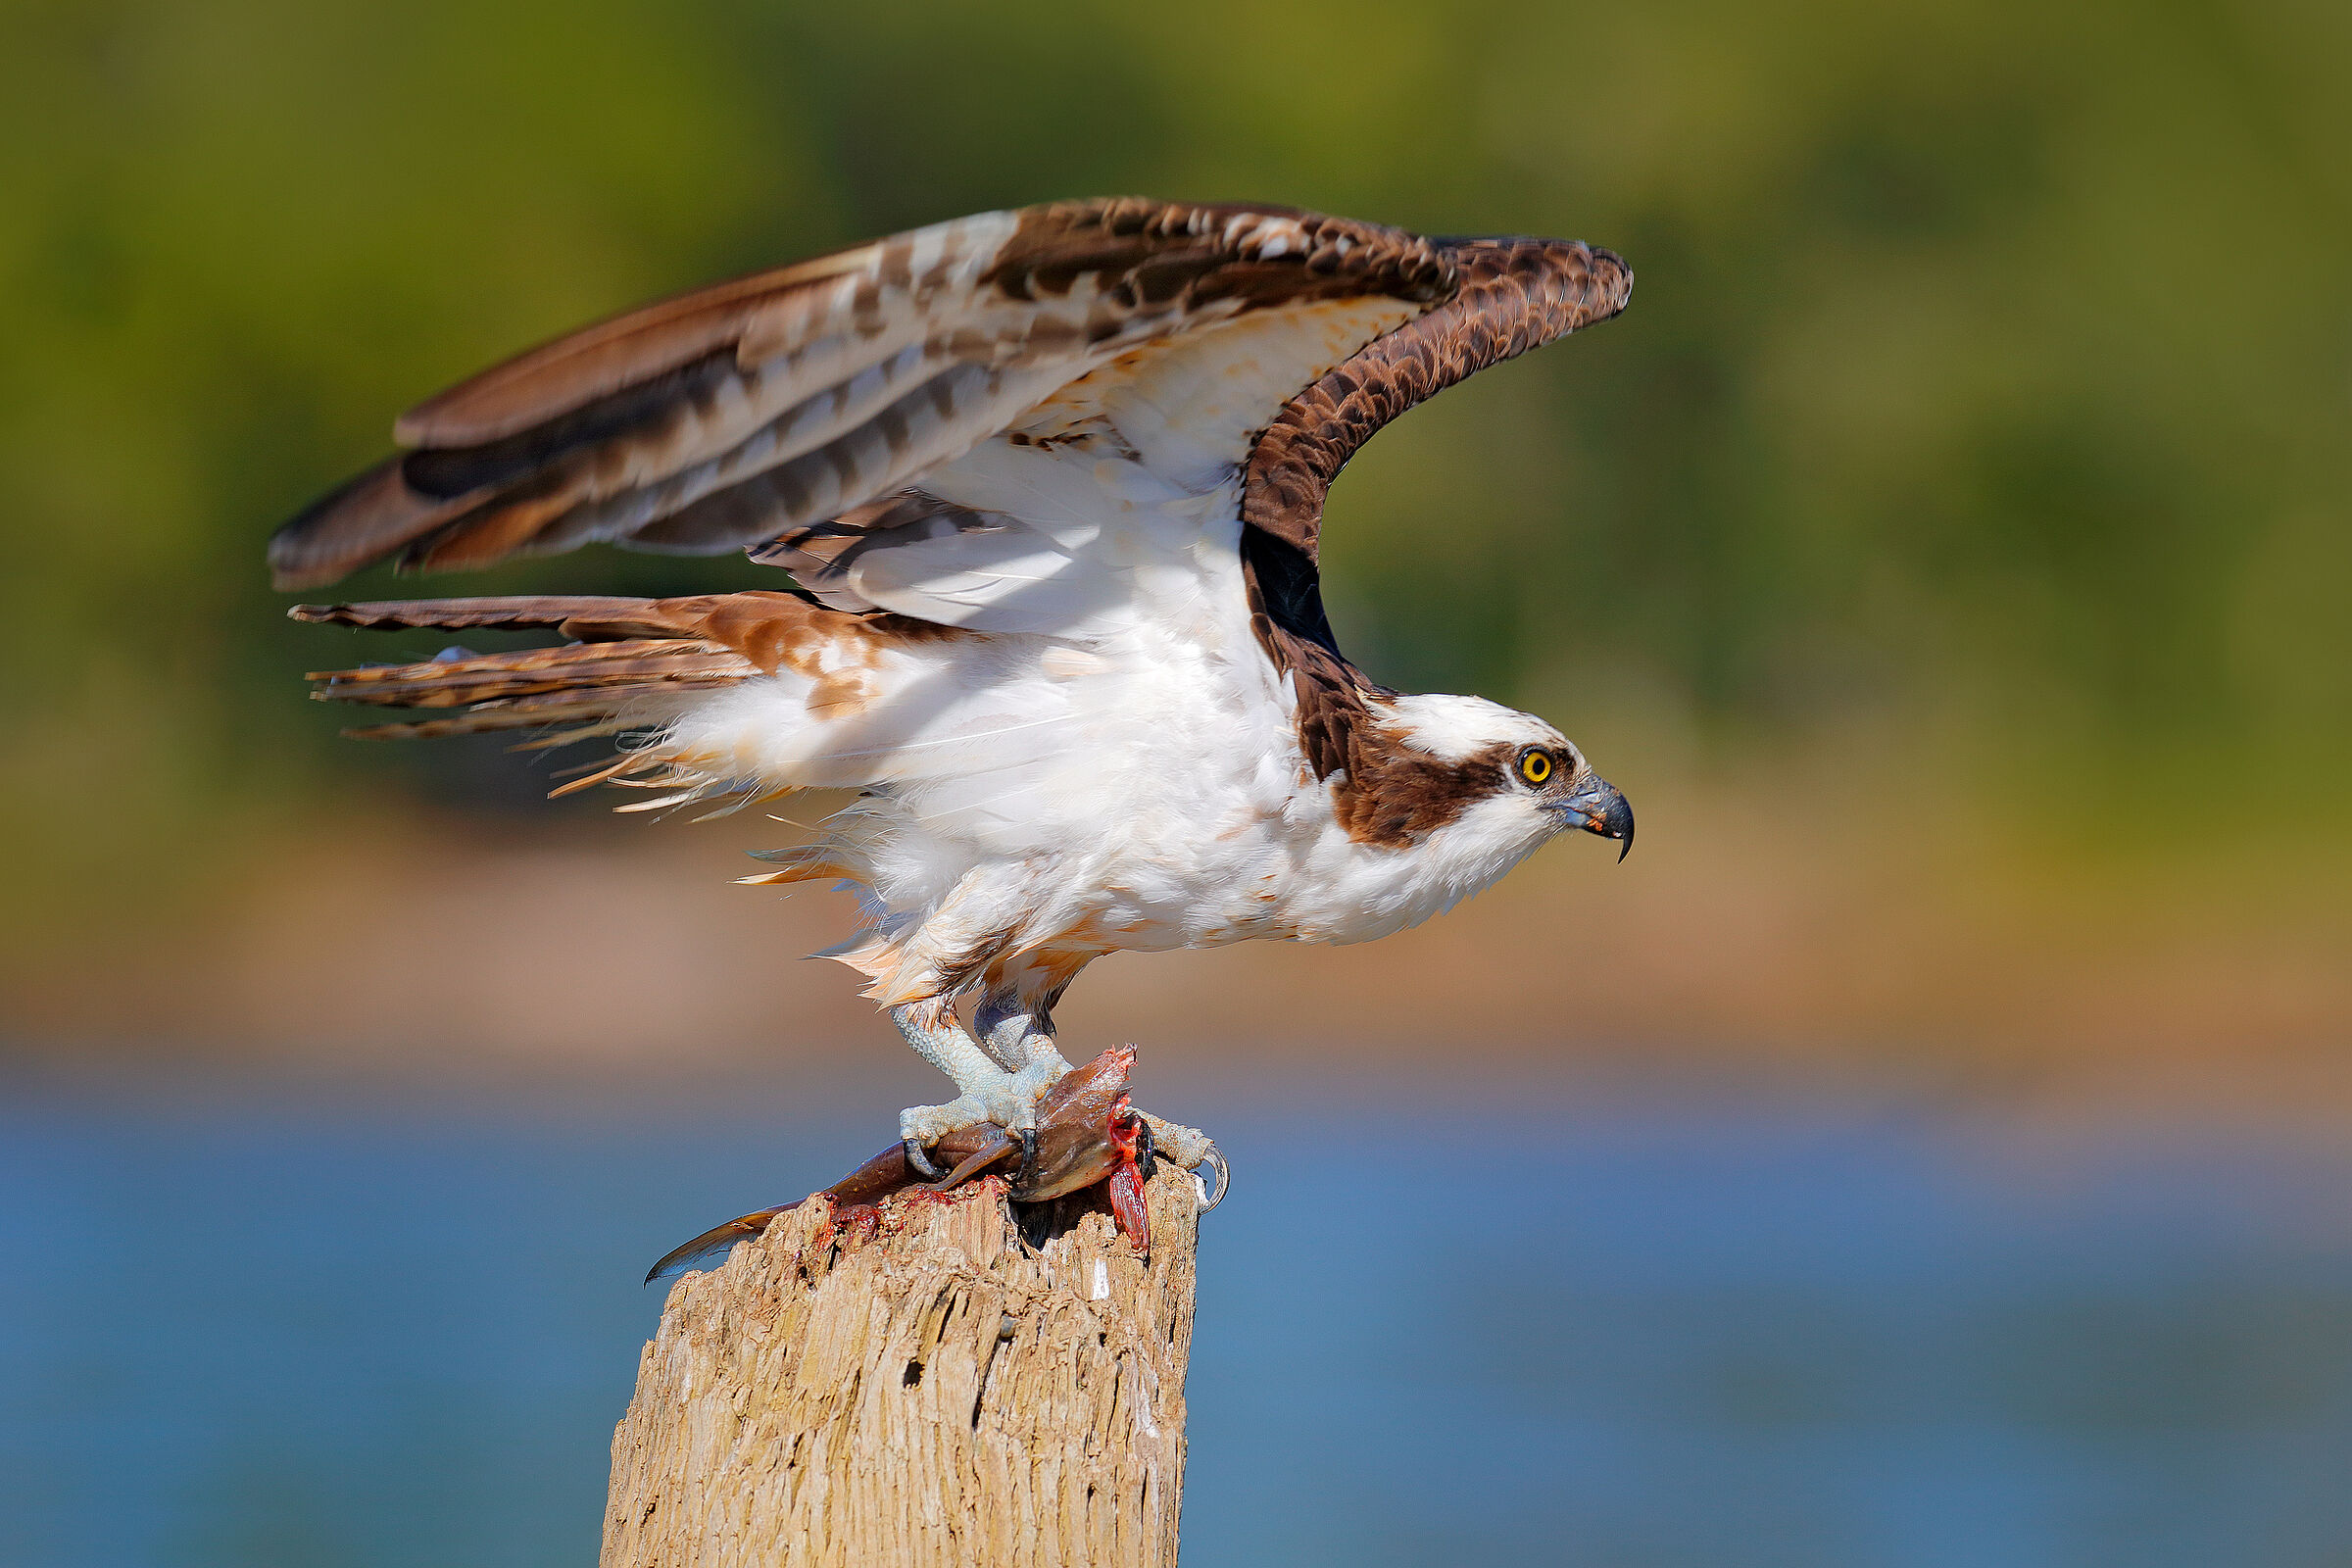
(1625,1327)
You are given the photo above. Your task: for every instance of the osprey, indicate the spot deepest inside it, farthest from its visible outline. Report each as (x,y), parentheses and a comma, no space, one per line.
(1048,484)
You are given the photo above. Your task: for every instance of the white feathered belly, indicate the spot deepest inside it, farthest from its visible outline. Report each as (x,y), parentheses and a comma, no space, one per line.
(1027,795)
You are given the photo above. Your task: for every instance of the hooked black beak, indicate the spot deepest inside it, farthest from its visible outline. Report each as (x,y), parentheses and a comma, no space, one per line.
(1596,807)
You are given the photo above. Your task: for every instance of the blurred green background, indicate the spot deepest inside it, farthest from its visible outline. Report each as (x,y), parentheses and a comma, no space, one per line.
(1971,467)
(1927,1149)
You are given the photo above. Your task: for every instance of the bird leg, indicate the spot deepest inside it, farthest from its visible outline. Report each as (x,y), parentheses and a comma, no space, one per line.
(990,1086)
(999,1077)
(1020,1038)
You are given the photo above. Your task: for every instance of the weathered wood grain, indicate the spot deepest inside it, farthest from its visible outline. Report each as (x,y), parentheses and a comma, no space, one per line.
(939,1393)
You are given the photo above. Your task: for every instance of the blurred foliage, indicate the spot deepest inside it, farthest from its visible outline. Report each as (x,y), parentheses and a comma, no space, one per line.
(1982,400)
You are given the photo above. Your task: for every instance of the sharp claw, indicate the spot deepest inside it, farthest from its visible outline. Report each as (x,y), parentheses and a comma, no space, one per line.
(1145,1152)
(917,1158)
(1208,1200)
(1027,1175)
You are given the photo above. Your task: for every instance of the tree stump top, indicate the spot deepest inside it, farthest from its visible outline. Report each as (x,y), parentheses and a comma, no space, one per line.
(937,1388)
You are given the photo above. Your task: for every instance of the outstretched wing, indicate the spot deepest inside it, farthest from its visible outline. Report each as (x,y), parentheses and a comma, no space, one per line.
(757,409)
(1008,536)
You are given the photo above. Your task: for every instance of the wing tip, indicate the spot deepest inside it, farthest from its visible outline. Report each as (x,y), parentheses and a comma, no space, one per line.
(1618,289)
(356,524)
(294,562)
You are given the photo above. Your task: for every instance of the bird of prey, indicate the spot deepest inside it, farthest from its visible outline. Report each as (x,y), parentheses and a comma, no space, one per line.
(1048,485)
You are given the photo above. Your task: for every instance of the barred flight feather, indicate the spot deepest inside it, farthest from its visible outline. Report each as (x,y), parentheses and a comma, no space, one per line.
(792,382)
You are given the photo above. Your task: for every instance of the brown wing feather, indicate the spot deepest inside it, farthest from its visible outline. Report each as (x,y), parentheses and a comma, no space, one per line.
(1516,295)
(627,351)
(742,411)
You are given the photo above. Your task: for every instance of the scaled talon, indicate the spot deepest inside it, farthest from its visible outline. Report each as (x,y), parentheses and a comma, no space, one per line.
(1215,1156)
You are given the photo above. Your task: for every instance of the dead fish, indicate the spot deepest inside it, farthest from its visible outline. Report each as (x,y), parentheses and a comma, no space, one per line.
(1087,1132)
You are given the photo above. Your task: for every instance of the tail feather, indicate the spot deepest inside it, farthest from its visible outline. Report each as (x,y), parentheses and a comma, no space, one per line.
(529,713)
(457,683)
(631,661)
(631,664)
(589,617)
(568,737)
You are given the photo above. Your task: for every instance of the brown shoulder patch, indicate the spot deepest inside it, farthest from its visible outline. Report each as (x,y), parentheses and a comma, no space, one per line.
(1389,795)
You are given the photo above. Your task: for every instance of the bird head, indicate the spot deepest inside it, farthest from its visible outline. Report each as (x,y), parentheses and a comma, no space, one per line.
(1517,780)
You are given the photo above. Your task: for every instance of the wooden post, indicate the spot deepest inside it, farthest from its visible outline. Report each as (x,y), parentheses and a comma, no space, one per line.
(940,1392)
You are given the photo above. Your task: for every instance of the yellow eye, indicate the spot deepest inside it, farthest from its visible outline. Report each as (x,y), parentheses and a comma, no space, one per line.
(1534,766)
